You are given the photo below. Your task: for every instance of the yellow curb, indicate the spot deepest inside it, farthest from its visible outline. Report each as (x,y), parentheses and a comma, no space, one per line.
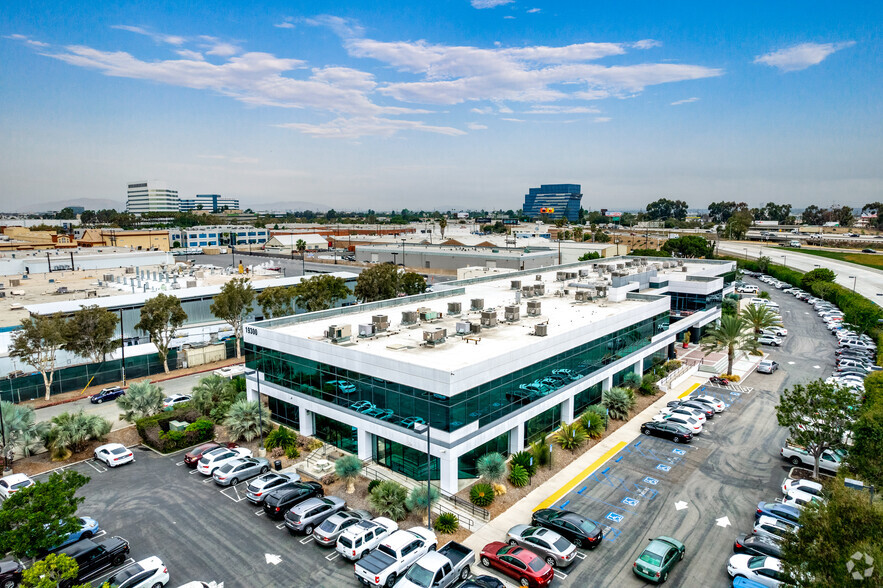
(689,390)
(582,476)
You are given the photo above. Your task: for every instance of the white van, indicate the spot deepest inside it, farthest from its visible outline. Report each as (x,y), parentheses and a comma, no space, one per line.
(794,243)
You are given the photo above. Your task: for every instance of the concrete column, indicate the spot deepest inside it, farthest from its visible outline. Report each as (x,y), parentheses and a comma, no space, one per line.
(639,367)
(516,438)
(567,410)
(448,473)
(672,354)
(307,427)
(366,444)
(607,383)
(251,391)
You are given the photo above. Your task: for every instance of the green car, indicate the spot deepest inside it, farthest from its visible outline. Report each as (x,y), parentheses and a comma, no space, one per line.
(659,558)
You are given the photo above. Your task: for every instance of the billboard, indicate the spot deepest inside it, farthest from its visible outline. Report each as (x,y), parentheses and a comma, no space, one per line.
(547,210)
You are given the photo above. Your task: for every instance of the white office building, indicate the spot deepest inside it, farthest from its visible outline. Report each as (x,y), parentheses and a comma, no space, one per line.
(216,235)
(151,196)
(490,363)
(209,203)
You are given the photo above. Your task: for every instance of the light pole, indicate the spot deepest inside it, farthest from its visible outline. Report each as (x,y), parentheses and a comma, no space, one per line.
(853,282)
(420,427)
(785,261)
(122,348)
(403,253)
(746,253)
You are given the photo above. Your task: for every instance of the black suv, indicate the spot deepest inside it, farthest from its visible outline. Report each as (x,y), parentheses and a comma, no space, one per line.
(278,502)
(94,556)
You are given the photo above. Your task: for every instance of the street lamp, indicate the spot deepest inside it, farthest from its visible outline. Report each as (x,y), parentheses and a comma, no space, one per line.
(403,253)
(853,282)
(420,428)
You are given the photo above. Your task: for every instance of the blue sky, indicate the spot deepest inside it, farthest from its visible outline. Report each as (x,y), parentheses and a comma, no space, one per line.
(445,104)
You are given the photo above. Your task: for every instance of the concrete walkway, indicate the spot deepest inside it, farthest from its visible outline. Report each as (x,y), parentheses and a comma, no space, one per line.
(571,476)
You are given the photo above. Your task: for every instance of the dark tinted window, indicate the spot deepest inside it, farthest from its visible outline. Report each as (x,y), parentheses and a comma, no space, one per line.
(536,564)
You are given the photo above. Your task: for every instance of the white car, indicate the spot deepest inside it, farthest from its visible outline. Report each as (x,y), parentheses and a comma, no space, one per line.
(684,411)
(769,340)
(773,527)
(175,399)
(775,331)
(689,422)
(747,289)
(762,569)
(364,536)
(231,371)
(13,483)
(767,366)
(799,499)
(212,460)
(808,486)
(113,454)
(147,573)
(716,403)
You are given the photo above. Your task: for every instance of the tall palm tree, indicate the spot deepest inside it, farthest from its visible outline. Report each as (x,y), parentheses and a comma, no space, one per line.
(731,333)
(301,247)
(760,317)
(245,418)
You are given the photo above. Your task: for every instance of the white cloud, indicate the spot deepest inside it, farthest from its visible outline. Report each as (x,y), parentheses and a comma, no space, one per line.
(188,54)
(476,126)
(534,10)
(509,17)
(801,56)
(487,110)
(157,37)
(343,27)
(353,128)
(287,23)
(685,101)
(646,44)
(519,120)
(602,119)
(489,3)
(552,109)
(26,39)
(214,46)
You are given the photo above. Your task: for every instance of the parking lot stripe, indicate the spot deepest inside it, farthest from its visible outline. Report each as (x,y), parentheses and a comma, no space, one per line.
(127,563)
(580,477)
(280,526)
(98,469)
(306,539)
(332,556)
(689,391)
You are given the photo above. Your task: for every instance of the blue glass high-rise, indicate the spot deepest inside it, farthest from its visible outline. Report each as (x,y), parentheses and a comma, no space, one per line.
(553,201)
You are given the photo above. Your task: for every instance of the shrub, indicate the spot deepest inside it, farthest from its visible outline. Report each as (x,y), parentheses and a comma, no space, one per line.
(731,377)
(388,499)
(618,401)
(291,452)
(277,452)
(141,400)
(526,461)
(764,294)
(281,437)
(245,418)
(672,365)
(174,437)
(348,468)
(570,436)
(328,479)
(518,476)
(372,485)
(482,495)
(446,523)
(542,454)
(492,467)
(631,380)
(70,432)
(599,409)
(648,385)
(150,428)
(593,424)
(418,500)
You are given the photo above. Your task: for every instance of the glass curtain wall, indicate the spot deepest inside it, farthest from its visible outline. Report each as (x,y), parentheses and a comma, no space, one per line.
(337,434)
(403,459)
(284,412)
(541,424)
(586,398)
(466,463)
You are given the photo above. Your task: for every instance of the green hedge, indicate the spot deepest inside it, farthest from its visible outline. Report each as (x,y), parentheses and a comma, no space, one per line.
(154,430)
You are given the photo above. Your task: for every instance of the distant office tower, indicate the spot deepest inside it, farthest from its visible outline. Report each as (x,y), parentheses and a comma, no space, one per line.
(210,203)
(151,196)
(553,201)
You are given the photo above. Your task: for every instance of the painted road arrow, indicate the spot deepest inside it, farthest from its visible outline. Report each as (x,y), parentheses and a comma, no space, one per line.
(723,522)
(273,559)
(680,505)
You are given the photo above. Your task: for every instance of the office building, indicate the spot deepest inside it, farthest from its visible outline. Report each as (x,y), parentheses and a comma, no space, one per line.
(490,363)
(151,196)
(209,203)
(553,201)
(218,235)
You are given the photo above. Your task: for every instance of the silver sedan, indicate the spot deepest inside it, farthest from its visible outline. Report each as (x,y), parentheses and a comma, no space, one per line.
(259,488)
(304,517)
(327,533)
(552,547)
(233,472)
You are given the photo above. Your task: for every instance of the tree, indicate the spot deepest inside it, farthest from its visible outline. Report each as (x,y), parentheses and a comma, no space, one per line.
(276,301)
(233,304)
(301,247)
(731,333)
(320,292)
(37,342)
(442,225)
(388,499)
(763,263)
(70,432)
(664,208)
(142,399)
(759,317)
(22,431)
(618,402)
(649,253)
(36,519)
(870,208)
(491,467)
(601,237)
(813,215)
(844,216)
(867,446)
(843,529)
(348,468)
(90,333)
(378,282)
(244,419)
(421,499)
(411,283)
(816,416)
(590,256)
(821,274)
(161,317)
(66,213)
(211,391)
(720,212)
(571,436)
(690,246)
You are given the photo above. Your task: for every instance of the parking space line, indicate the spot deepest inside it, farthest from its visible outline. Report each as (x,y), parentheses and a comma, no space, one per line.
(235,491)
(580,555)
(259,513)
(280,526)
(306,540)
(208,479)
(193,471)
(97,468)
(332,556)
(100,533)
(559,574)
(179,464)
(580,477)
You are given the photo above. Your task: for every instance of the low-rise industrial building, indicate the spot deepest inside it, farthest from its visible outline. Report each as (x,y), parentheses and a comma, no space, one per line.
(440,257)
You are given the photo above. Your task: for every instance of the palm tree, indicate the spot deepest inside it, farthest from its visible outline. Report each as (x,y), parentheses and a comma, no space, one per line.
(244,419)
(492,467)
(388,499)
(142,399)
(71,431)
(348,468)
(760,317)
(301,246)
(731,333)
(21,430)
(210,391)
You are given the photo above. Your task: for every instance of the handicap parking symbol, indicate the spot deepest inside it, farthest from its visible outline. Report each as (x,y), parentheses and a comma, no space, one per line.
(663,468)
(735,394)
(652,481)
(616,518)
(678,451)
(629,501)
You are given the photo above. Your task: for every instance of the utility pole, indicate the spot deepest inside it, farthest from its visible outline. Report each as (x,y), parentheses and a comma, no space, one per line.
(122,348)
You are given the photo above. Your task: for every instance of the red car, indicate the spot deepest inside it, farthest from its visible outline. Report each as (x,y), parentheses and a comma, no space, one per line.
(192,457)
(517,562)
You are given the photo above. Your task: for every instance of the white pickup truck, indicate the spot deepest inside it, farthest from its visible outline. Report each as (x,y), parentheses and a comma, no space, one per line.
(797,455)
(440,569)
(364,536)
(395,554)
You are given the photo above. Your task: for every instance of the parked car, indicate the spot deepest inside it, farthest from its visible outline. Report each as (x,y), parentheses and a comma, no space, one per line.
(169,402)
(393,556)
(12,483)
(830,460)
(706,409)
(555,549)
(769,340)
(331,528)
(192,457)
(767,366)
(715,403)
(483,581)
(304,517)
(776,331)
(107,394)
(277,502)
(233,472)
(212,460)
(807,486)
(747,289)
(94,556)
(657,560)
(364,536)
(88,529)
(10,573)
(673,431)
(113,454)
(257,490)
(757,545)
(231,371)
(684,421)
(777,510)
(762,569)
(147,573)
(440,569)
(575,528)
(773,527)
(525,566)
(686,411)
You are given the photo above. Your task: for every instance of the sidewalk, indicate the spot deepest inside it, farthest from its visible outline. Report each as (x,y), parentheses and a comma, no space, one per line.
(570,477)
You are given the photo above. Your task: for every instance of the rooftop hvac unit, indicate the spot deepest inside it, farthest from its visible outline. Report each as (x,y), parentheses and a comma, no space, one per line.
(454,308)
(539,277)
(571,275)
(488,318)
(107,277)
(534,308)
(560,276)
(680,262)
(475,328)
(427,315)
(516,284)
(366,330)
(339,333)
(130,270)
(191,283)
(582,296)
(477,304)
(512,313)
(14,282)
(435,336)
(541,330)
(409,317)
(683,268)
(527,291)
(380,322)
(464,327)
(583,273)
(601,291)
(539,289)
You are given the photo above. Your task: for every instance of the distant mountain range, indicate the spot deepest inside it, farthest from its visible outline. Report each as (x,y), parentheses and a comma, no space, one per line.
(286,205)
(87,203)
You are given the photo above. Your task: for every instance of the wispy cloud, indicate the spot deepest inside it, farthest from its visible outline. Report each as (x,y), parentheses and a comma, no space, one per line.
(188,54)
(214,46)
(602,119)
(287,23)
(518,120)
(646,44)
(685,101)
(27,40)
(534,10)
(353,128)
(486,110)
(552,109)
(232,158)
(801,56)
(476,126)
(480,4)
(158,37)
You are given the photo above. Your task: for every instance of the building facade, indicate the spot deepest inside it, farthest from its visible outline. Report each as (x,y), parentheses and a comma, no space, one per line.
(490,363)
(218,235)
(209,203)
(553,201)
(151,196)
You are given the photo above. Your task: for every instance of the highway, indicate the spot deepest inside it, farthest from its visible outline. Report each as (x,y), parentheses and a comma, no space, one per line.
(867,281)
